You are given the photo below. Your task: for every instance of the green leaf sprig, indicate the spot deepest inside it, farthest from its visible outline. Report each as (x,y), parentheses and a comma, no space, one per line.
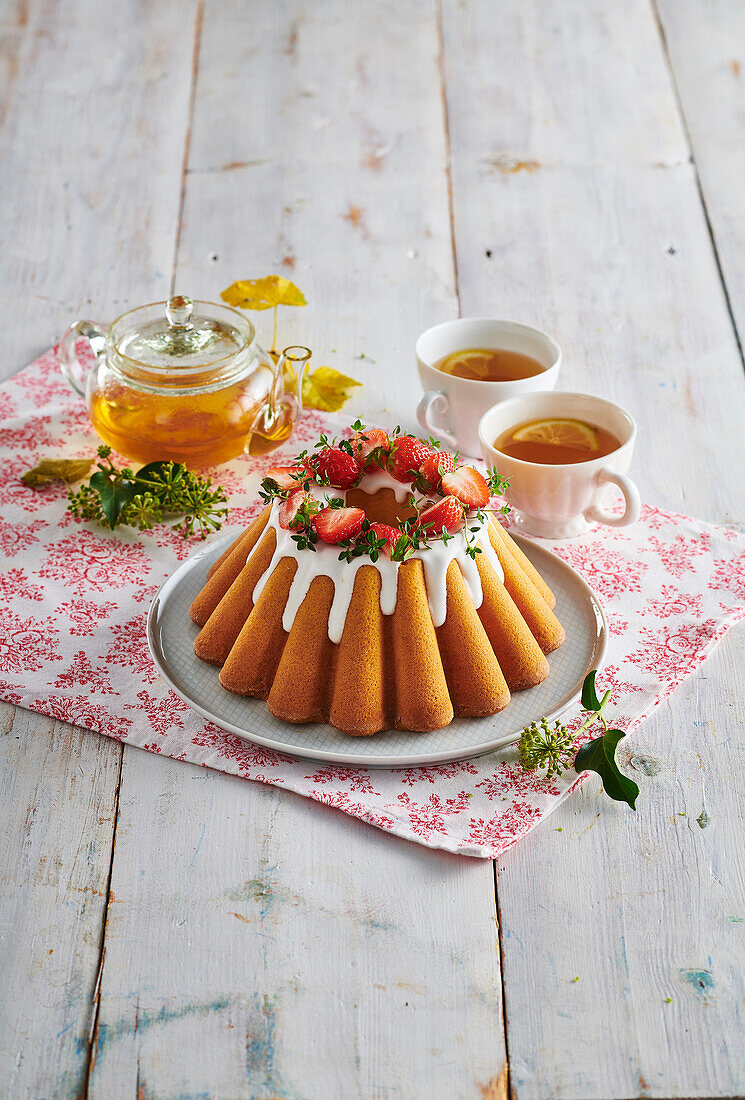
(552,747)
(158,491)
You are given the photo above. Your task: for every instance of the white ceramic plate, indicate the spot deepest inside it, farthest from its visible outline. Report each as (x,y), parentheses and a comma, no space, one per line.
(171,635)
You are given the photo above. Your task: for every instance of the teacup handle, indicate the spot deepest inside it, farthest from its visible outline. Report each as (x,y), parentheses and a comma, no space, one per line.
(432,401)
(630,495)
(71,367)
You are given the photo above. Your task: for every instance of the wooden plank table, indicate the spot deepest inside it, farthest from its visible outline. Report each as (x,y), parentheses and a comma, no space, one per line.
(167,931)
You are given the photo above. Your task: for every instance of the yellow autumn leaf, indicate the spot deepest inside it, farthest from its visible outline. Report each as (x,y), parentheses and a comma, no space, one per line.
(273,290)
(57,469)
(326,389)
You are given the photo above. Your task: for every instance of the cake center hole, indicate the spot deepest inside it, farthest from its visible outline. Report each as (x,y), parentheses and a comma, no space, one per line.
(380,507)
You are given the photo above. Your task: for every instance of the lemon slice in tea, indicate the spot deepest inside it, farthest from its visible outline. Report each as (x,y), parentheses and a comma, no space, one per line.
(478,361)
(559,433)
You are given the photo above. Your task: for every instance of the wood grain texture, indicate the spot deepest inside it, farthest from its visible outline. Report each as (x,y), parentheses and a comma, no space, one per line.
(318,151)
(706,50)
(93,111)
(576,207)
(58,789)
(94,102)
(258,945)
(276,948)
(262,945)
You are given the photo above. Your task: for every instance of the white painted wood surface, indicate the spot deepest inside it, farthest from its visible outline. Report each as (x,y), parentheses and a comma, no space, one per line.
(94,103)
(647,907)
(257,945)
(58,792)
(320,962)
(705,43)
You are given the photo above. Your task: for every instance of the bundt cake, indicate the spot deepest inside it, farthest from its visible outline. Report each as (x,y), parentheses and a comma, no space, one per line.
(376,591)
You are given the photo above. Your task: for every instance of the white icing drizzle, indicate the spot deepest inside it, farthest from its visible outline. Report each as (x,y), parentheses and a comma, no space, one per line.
(375,480)
(325,562)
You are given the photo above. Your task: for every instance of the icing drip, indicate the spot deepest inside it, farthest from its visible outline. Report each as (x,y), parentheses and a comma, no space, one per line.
(325,562)
(375,480)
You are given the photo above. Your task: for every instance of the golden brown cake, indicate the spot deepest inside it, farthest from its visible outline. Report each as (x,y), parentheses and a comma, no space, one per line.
(376,591)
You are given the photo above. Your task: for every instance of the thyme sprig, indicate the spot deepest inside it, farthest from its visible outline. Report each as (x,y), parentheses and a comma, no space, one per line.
(159,491)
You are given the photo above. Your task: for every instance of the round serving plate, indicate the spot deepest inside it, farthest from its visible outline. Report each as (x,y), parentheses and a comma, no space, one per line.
(171,635)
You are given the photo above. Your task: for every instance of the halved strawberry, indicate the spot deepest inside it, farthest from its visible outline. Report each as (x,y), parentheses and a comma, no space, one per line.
(444,515)
(434,466)
(468,485)
(406,457)
(369,440)
(390,534)
(335,467)
(287,477)
(290,508)
(337,524)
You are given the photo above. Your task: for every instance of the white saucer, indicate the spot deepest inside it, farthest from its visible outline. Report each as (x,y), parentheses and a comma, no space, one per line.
(171,635)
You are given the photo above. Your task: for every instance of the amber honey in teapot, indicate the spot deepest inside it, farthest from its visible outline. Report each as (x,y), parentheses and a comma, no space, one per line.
(185,380)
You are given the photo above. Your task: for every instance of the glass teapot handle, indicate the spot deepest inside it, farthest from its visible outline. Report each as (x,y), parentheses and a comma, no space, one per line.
(72,369)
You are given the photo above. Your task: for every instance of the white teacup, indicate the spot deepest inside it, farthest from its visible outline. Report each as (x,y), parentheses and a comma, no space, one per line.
(556,502)
(451,407)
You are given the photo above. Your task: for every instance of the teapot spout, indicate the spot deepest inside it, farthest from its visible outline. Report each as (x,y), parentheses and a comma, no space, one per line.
(289,375)
(276,420)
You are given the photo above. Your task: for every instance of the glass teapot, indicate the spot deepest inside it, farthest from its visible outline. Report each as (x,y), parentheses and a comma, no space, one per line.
(185,380)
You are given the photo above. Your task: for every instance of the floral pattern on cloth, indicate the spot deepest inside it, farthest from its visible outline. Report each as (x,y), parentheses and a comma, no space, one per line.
(73,609)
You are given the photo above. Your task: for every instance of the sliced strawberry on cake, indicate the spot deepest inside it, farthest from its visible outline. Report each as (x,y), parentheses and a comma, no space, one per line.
(390,534)
(287,477)
(371,446)
(468,485)
(336,525)
(444,515)
(297,510)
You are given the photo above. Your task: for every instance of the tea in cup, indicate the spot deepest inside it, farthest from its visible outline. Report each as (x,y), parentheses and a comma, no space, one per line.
(467,365)
(560,452)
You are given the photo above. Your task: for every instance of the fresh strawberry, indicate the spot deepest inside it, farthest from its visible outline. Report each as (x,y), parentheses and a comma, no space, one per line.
(468,485)
(290,508)
(390,534)
(369,440)
(406,457)
(445,515)
(287,477)
(335,467)
(337,524)
(434,466)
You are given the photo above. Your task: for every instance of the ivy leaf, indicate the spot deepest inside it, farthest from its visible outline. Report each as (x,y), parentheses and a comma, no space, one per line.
(57,469)
(174,470)
(590,699)
(326,389)
(273,290)
(599,755)
(152,468)
(115,494)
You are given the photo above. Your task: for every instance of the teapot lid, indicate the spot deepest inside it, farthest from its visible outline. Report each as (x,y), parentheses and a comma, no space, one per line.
(181,333)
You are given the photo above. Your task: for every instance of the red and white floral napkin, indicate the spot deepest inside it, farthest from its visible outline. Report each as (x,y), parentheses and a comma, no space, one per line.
(74,600)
